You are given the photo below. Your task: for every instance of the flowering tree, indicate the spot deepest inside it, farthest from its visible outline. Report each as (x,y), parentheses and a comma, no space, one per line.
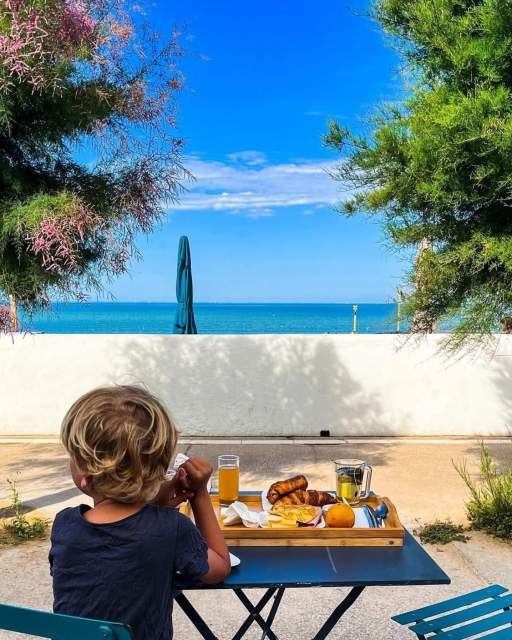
(87,150)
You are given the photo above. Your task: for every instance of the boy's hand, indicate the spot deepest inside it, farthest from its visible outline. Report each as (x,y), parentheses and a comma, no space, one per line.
(198,472)
(174,491)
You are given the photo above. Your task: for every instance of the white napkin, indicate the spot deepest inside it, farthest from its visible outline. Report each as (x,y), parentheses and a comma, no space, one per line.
(361,519)
(238,512)
(180,459)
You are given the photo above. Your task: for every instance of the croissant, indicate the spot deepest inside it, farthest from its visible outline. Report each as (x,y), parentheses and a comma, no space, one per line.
(293,498)
(319,498)
(284,487)
(312,497)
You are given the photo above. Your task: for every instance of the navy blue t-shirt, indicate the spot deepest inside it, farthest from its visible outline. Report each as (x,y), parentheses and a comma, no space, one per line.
(124,571)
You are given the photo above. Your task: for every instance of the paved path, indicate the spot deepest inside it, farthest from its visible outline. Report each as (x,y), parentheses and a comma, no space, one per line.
(418,476)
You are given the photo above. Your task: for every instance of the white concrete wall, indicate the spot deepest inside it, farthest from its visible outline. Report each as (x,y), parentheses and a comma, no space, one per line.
(264,385)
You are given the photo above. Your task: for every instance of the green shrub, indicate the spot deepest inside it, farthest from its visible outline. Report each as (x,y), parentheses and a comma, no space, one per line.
(442,532)
(490,506)
(18,527)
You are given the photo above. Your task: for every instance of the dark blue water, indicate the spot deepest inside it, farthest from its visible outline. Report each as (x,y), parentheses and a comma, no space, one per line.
(134,317)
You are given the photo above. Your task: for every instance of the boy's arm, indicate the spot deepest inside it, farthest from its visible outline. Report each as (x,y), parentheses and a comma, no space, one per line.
(207,523)
(198,471)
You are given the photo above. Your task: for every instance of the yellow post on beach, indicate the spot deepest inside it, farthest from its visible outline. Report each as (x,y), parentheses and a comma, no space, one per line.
(354,327)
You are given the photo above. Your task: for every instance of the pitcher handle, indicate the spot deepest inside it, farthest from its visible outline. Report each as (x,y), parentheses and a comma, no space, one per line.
(365,494)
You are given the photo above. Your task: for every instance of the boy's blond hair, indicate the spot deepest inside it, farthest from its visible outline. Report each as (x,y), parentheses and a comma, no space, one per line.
(124,438)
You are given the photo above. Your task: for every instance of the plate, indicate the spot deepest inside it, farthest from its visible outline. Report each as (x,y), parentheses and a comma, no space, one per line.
(267,507)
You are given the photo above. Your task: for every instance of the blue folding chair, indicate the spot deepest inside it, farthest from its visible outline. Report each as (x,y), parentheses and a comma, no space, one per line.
(461,618)
(59,627)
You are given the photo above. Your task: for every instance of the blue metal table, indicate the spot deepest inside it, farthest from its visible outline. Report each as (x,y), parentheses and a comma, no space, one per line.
(280,568)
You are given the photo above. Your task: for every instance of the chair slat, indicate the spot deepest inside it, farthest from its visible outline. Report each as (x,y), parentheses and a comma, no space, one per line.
(474,628)
(504,634)
(471,613)
(58,626)
(449,605)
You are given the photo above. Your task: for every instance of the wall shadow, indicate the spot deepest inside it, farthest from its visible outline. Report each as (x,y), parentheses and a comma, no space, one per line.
(299,381)
(43,501)
(249,386)
(502,379)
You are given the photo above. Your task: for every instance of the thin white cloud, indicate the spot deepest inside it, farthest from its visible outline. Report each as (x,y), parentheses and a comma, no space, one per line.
(259,213)
(325,114)
(251,158)
(223,186)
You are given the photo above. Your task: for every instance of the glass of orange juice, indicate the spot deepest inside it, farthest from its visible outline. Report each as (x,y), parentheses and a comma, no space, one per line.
(229,479)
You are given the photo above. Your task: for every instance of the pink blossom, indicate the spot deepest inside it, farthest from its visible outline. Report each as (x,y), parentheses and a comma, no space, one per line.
(77,26)
(23,45)
(5,319)
(122,31)
(58,241)
(35,38)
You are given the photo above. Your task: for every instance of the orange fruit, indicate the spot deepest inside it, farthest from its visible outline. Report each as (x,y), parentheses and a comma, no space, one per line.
(340,516)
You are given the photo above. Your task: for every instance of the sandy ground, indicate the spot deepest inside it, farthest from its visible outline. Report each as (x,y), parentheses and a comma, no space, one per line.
(418,476)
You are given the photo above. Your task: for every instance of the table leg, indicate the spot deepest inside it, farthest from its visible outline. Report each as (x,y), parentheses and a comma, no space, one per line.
(255,614)
(194,617)
(332,620)
(275,606)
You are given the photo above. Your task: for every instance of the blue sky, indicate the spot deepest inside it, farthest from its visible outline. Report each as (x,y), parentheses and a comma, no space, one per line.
(260,215)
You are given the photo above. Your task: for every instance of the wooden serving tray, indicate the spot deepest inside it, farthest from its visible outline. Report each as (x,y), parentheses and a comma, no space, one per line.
(392,534)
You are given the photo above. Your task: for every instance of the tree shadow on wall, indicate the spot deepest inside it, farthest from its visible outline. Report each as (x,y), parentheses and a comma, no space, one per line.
(230,385)
(502,380)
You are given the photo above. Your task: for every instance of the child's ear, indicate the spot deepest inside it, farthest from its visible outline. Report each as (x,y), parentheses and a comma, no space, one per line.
(85,483)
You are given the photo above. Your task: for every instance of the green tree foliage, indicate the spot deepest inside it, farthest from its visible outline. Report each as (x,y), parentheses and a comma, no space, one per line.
(438,166)
(87,152)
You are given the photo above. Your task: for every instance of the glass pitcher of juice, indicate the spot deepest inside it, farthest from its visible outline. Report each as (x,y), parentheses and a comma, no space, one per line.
(229,479)
(353,480)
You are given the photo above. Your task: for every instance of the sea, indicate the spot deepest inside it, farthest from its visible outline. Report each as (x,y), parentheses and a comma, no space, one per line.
(214,318)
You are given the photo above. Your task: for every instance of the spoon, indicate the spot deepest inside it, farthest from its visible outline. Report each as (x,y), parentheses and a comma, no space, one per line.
(381,511)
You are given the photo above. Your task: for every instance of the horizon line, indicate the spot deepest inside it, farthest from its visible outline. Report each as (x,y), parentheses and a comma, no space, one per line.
(84,302)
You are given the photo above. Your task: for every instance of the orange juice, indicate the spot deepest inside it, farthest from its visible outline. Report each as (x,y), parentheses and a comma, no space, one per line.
(228,484)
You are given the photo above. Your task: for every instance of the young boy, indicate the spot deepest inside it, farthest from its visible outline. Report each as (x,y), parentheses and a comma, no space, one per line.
(118,560)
